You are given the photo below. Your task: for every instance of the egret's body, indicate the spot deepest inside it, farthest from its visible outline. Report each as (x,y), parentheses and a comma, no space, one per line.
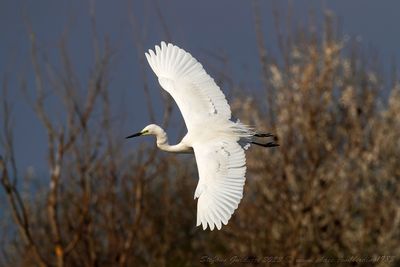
(212,136)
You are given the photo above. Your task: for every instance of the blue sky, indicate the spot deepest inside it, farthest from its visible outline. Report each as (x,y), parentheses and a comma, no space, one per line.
(198,26)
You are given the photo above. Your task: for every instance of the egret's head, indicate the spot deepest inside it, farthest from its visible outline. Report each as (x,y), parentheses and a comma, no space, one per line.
(149,129)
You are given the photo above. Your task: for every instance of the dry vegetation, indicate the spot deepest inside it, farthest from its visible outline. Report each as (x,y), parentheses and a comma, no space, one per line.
(331,191)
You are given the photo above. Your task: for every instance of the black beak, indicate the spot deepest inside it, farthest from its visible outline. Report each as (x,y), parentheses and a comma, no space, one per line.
(134,135)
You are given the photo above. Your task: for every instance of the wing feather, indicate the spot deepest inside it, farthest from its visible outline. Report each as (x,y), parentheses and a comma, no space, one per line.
(195,92)
(222,166)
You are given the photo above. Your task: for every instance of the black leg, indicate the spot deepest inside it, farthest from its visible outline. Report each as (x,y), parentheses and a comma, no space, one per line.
(269,144)
(263,135)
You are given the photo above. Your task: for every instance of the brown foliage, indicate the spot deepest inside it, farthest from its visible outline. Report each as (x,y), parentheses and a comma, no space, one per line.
(329,192)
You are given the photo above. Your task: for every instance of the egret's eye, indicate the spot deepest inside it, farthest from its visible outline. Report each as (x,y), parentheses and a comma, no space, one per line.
(145,132)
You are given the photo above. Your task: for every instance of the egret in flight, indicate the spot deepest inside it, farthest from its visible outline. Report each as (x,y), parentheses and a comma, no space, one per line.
(217,142)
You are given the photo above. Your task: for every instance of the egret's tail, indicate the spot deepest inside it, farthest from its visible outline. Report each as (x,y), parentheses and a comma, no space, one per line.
(243,130)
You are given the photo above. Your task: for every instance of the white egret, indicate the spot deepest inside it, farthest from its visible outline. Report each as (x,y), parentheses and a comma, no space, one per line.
(217,142)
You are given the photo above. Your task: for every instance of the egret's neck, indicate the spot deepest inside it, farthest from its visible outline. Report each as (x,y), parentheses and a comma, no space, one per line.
(162,143)
(162,137)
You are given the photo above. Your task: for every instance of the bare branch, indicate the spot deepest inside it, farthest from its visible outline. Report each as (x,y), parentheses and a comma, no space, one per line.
(138,40)
(17,205)
(263,60)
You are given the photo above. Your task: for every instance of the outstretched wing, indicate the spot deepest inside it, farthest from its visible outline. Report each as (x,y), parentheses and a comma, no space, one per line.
(222,168)
(194,91)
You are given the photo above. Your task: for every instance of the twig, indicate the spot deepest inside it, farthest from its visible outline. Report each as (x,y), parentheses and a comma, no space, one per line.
(14,198)
(140,49)
(263,59)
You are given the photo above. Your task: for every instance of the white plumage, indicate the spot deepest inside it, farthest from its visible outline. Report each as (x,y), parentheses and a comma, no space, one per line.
(221,165)
(212,136)
(193,90)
